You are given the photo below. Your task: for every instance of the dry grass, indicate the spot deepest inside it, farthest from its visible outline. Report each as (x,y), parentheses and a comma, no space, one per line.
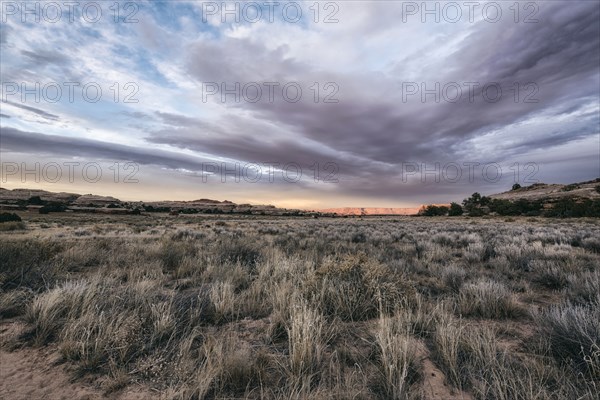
(217,307)
(398,360)
(306,347)
(488,299)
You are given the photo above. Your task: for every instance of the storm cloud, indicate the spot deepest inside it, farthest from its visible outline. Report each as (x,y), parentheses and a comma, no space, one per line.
(382,90)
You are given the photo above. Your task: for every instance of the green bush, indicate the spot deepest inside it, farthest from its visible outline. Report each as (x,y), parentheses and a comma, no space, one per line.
(569,188)
(476,212)
(52,207)
(9,217)
(517,207)
(433,211)
(474,203)
(574,208)
(36,201)
(455,210)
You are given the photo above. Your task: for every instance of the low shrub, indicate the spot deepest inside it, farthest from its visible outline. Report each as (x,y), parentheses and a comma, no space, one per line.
(488,299)
(9,217)
(356,287)
(12,226)
(29,263)
(573,334)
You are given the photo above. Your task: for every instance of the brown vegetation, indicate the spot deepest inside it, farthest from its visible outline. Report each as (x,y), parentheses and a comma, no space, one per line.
(221,307)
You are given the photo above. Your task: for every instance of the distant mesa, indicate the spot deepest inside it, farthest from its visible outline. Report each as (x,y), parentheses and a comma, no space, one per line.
(545,197)
(44,201)
(552,192)
(96,200)
(370,211)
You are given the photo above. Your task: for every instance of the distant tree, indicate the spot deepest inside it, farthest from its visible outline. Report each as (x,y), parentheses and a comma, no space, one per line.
(476,212)
(574,208)
(52,207)
(36,201)
(9,217)
(517,207)
(472,202)
(473,205)
(516,186)
(434,211)
(529,207)
(570,187)
(455,210)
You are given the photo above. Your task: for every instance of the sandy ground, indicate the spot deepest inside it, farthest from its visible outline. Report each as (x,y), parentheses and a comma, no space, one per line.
(28,374)
(38,374)
(35,375)
(434,386)
(32,374)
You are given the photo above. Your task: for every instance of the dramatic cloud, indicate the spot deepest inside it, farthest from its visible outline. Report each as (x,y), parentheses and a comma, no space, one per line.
(36,111)
(398,106)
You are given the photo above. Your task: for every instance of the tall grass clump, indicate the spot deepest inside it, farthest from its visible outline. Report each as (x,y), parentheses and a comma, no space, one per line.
(494,372)
(306,339)
(398,360)
(48,312)
(448,352)
(573,335)
(488,299)
(356,287)
(223,297)
(29,263)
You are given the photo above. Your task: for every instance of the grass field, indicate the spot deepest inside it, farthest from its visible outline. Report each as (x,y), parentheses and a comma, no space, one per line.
(376,308)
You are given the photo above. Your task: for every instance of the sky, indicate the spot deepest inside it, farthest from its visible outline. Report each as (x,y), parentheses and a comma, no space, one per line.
(299,104)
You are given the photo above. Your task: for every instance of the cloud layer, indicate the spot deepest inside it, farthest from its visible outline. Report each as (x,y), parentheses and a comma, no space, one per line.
(395,101)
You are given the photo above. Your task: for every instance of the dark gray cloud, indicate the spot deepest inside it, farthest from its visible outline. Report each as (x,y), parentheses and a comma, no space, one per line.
(36,111)
(372,131)
(560,55)
(43,57)
(4,33)
(19,141)
(220,61)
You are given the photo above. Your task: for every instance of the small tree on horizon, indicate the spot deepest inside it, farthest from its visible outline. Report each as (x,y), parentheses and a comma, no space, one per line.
(455,210)
(473,204)
(433,211)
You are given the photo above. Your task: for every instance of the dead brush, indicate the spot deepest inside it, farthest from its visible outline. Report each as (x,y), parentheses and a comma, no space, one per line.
(319,320)
(48,312)
(494,372)
(306,343)
(356,287)
(573,334)
(488,299)
(99,340)
(398,358)
(224,298)
(446,341)
(14,302)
